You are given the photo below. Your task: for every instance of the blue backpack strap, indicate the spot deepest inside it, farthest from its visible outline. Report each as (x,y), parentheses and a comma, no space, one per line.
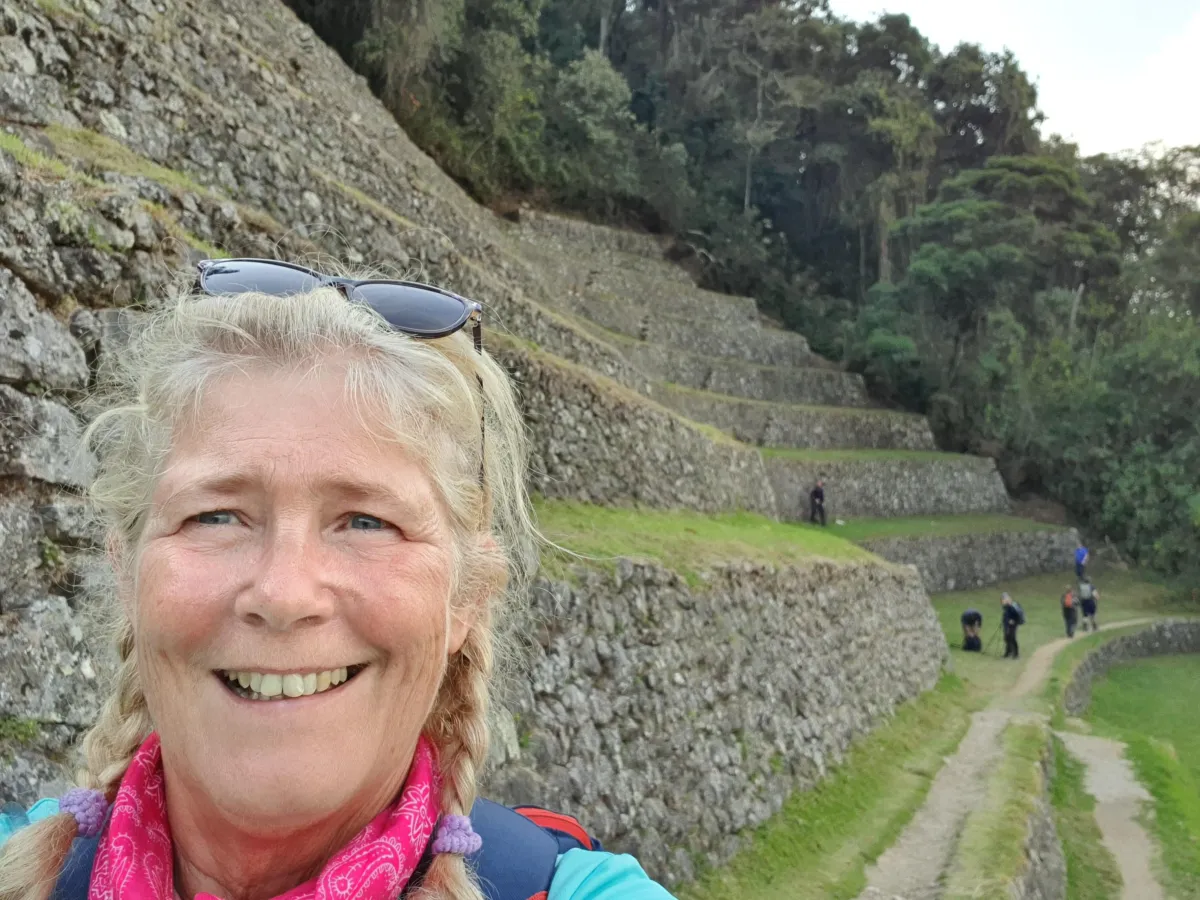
(76,875)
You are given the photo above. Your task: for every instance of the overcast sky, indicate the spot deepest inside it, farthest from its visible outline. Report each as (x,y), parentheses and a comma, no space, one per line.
(1111,74)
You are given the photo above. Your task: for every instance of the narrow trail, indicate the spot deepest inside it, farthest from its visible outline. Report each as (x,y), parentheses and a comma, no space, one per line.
(913,867)
(1119,798)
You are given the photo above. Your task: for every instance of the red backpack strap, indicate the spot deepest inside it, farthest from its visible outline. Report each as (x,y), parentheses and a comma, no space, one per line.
(556,821)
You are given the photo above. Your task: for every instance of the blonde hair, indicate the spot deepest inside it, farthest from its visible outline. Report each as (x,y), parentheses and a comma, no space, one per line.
(451,407)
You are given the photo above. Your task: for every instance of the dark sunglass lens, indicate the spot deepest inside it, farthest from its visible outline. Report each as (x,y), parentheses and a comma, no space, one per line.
(412,309)
(240,277)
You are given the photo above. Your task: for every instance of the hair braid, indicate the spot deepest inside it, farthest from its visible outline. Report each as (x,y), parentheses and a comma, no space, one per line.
(458,728)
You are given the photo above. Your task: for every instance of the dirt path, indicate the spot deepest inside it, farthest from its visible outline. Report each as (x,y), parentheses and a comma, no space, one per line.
(913,867)
(1119,798)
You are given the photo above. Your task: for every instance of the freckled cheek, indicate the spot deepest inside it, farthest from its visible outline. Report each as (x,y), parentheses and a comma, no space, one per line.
(183,602)
(404,611)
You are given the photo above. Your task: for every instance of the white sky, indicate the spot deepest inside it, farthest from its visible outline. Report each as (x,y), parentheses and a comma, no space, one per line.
(1111,74)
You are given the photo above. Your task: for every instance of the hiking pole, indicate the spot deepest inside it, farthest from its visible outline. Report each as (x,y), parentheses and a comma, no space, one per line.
(995,632)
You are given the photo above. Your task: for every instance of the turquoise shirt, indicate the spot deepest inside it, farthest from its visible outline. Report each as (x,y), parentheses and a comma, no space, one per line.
(591,875)
(578,874)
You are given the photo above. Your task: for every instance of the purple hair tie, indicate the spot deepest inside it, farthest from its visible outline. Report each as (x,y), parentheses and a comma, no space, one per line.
(88,807)
(455,835)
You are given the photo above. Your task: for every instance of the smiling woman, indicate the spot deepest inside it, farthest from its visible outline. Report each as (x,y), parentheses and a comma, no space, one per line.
(318,531)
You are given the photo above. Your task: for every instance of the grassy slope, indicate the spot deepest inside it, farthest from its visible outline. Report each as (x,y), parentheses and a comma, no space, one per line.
(686,542)
(1092,872)
(820,842)
(1150,705)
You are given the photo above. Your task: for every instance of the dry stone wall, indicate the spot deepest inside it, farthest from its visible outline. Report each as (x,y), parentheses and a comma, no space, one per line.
(1160,639)
(801,427)
(963,561)
(885,486)
(672,719)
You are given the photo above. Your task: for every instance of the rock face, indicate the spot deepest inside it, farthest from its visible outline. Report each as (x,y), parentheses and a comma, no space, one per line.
(963,561)
(672,718)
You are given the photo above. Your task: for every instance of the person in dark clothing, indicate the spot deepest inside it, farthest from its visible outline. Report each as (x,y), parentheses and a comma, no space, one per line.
(1013,618)
(1081,560)
(1088,595)
(972,622)
(816,502)
(1070,611)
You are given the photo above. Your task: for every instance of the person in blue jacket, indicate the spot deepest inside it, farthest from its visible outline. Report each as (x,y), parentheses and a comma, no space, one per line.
(313,490)
(1081,560)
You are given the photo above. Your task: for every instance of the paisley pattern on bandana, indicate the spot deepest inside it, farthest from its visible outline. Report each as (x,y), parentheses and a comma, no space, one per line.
(135,859)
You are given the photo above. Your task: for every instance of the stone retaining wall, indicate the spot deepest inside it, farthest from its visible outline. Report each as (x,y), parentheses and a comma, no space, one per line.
(597,442)
(672,720)
(885,487)
(811,386)
(963,561)
(1160,639)
(571,231)
(748,340)
(802,427)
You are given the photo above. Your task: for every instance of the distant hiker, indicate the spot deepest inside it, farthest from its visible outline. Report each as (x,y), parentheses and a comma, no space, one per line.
(1088,595)
(1070,611)
(816,502)
(972,621)
(1013,618)
(1081,560)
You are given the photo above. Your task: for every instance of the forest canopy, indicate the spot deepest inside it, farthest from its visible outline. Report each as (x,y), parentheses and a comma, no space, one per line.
(896,202)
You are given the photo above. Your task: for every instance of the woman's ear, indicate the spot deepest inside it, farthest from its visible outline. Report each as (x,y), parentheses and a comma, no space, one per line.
(489,576)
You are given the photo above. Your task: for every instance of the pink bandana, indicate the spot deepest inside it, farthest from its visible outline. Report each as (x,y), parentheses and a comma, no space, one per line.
(135,861)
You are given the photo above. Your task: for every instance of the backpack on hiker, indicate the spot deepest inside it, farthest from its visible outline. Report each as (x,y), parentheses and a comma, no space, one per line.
(1087,591)
(1020,612)
(1068,600)
(520,852)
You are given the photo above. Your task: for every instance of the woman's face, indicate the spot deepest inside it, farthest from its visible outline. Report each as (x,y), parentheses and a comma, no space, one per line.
(291,555)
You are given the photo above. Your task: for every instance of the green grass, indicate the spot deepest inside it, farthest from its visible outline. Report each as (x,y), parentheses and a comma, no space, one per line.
(22,731)
(1092,873)
(39,162)
(835,456)
(820,843)
(934,526)
(991,851)
(685,542)
(107,153)
(1150,706)
(1123,595)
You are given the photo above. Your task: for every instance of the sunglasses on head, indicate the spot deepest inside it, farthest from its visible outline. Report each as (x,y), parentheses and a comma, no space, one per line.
(420,310)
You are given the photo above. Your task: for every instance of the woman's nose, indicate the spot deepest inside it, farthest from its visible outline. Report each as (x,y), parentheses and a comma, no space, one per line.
(287,589)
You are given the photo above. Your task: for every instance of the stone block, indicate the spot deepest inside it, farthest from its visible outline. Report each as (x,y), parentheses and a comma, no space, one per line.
(34,346)
(20,555)
(40,439)
(50,669)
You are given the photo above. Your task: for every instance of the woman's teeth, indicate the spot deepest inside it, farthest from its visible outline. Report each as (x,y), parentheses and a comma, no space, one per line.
(272,686)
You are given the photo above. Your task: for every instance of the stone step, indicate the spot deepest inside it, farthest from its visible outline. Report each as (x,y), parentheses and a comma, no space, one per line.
(800,427)
(748,340)
(885,483)
(808,385)
(575,234)
(958,553)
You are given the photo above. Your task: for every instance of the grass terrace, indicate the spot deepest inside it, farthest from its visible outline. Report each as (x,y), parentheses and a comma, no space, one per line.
(685,542)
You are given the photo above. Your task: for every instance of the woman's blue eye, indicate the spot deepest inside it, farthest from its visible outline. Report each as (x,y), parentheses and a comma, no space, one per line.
(364,522)
(217,517)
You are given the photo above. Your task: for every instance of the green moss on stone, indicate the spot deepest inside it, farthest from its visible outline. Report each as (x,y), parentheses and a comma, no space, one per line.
(21,731)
